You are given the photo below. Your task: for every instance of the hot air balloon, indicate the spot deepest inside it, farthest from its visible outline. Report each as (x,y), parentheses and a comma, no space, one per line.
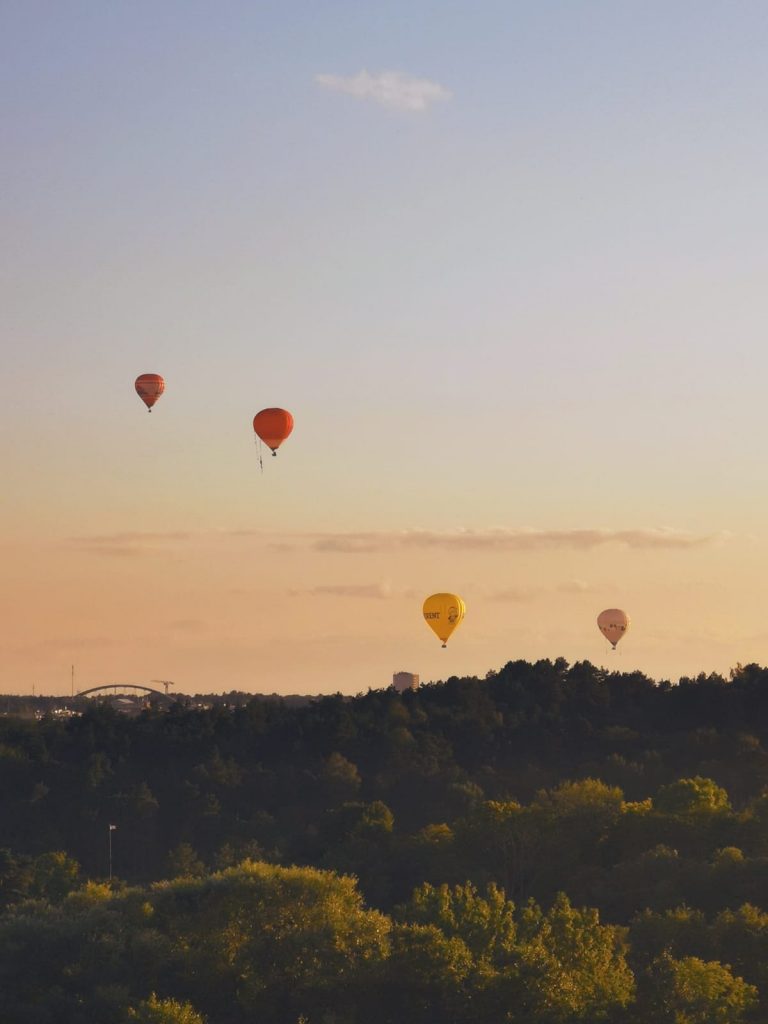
(273,426)
(149,387)
(613,623)
(443,613)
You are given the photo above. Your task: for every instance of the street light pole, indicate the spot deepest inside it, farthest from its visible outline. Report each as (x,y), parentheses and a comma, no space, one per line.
(111,830)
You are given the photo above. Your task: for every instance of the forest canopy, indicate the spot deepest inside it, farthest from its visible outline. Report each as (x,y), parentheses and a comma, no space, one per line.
(552,843)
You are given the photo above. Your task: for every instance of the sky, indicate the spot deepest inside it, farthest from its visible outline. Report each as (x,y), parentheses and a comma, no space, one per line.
(503,260)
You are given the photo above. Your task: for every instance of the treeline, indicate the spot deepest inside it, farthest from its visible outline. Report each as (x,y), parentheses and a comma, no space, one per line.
(264,943)
(546,818)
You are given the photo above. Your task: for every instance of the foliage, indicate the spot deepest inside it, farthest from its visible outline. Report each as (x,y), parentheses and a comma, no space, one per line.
(553,843)
(691,796)
(577,966)
(694,991)
(163,1011)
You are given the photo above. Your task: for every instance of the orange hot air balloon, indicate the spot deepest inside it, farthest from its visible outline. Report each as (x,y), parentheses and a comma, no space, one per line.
(613,623)
(273,426)
(149,387)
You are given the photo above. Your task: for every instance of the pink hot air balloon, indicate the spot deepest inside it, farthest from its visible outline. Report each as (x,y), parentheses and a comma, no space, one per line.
(613,623)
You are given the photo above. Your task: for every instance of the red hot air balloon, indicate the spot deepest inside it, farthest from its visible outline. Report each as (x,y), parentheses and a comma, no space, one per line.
(149,387)
(273,426)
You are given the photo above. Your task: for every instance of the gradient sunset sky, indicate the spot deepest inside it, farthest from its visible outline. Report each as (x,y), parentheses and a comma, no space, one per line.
(506,263)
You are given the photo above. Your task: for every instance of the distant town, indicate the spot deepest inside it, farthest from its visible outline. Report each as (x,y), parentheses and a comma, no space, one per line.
(133,698)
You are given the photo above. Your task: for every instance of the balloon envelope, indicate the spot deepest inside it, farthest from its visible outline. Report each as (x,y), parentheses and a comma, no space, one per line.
(273,426)
(149,387)
(613,623)
(443,613)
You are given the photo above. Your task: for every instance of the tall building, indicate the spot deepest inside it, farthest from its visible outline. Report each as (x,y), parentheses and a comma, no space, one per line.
(405,681)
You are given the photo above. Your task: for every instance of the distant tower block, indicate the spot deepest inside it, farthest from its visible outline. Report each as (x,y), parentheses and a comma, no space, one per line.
(402,681)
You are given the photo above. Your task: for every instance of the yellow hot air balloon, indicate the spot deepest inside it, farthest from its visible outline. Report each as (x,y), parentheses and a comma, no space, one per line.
(613,623)
(443,613)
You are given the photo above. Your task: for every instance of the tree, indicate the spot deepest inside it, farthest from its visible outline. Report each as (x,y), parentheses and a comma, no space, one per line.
(586,799)
(575,967)
(741,936)
(694,991)
(505,843)
(485,924)
(427,976)
(682,931)
(341,779)
(691,796)
(269,941)
(54,875)
(183,862)
(164,1011)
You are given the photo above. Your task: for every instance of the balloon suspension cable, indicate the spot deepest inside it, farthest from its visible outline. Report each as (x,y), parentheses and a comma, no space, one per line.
(257,439)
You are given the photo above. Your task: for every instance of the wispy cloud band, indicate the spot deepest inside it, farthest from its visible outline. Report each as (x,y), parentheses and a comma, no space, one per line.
(371,541)
(371,591)
(128,544)
(501,539)
(396,90)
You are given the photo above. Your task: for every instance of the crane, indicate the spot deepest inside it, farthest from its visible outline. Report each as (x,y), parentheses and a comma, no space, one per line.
(166,683)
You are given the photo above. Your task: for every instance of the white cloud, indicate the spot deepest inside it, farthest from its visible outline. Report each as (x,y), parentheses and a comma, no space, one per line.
(395,90)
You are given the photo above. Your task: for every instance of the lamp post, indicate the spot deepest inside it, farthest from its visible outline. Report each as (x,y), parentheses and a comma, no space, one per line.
(111,830)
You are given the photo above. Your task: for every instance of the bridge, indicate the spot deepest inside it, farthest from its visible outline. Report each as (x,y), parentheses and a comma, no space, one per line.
(115,689)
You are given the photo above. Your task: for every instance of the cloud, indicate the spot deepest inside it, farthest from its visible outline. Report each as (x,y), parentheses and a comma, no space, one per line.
(501,539)
(188,625)
(135,537)
(128,544)
(138,542)
(516,595)
(385,591)
(497,539)
(375,591)
(395,90)
(65,645)
(524,595)
(574,587)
